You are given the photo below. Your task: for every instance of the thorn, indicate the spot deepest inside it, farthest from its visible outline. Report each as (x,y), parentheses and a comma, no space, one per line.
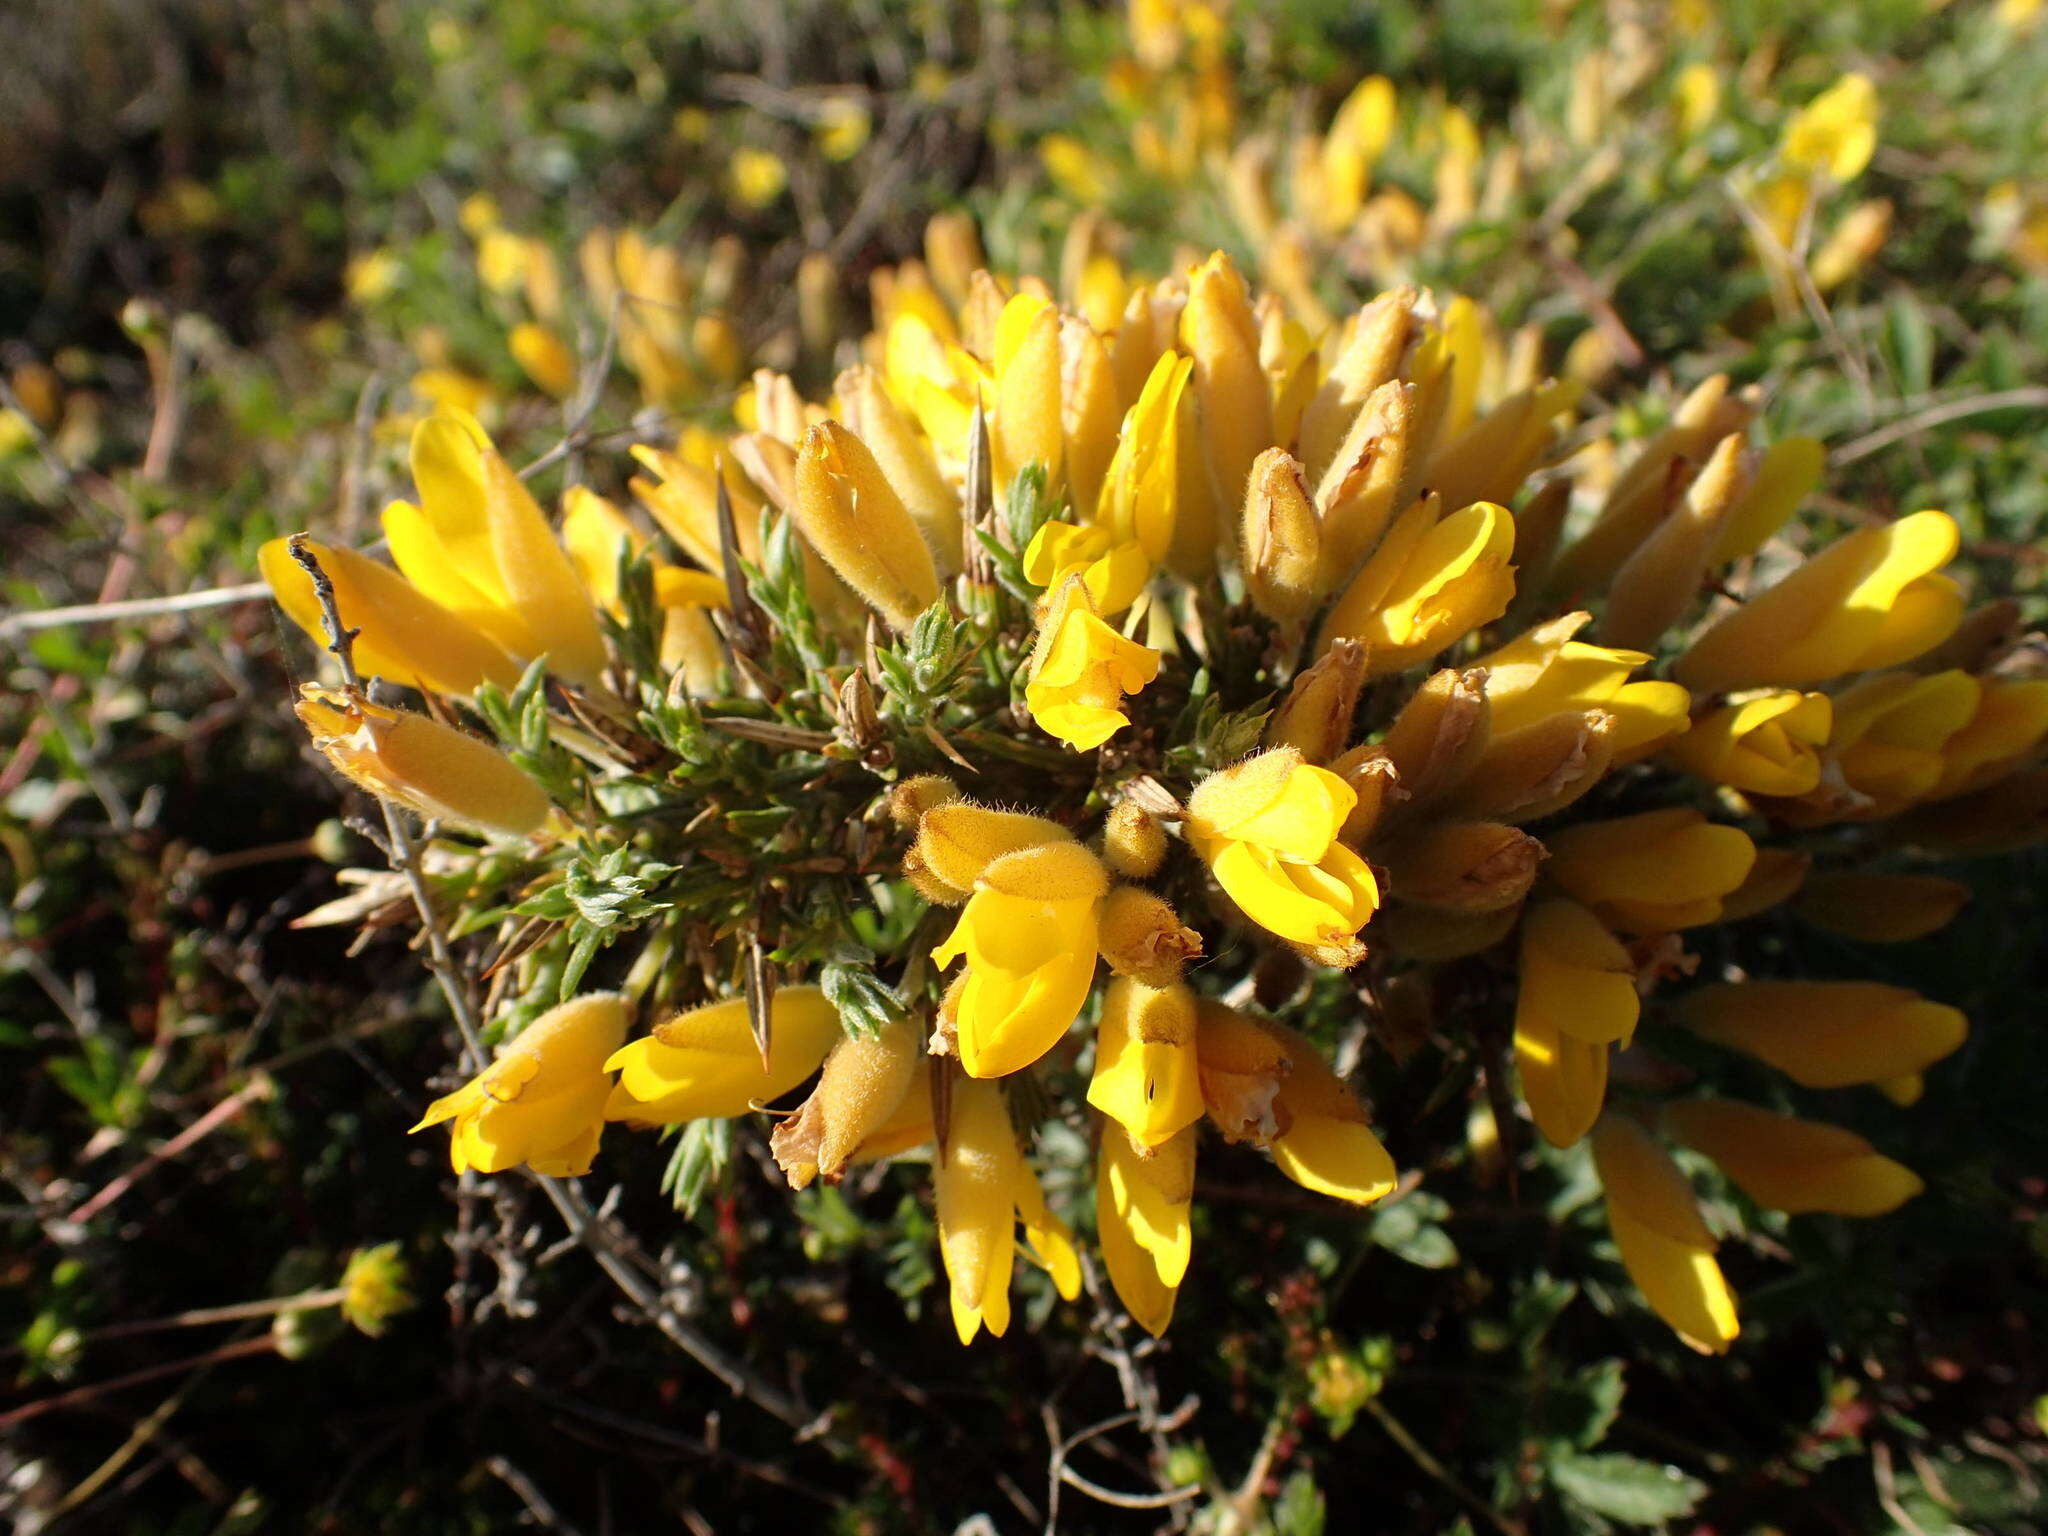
(748,628)
(760,988)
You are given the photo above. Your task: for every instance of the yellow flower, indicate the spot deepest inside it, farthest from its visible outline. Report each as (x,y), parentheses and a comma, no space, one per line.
(756,177)
(542,1101)
(1881,908)
(1268,829)
(1577,998)
(1869,600)
(1029,937)
(1428,585)
(372,276)
(844,124)
(1145,1072)
(705,1065)
(1792,1165)
(1143,937)
(1267,1084)
(1826,1034)
(596,535)
(1142,1204)
(1141,489)
(863,1084)
(544,357)
(2009,723)
(1075,169)
(1836,132)
(402,635)
(1764,744)
(1113,573)
(1654,872)
(478,545)
(1218,331)
(1081,670)
(501,260)
(1545,672)
(1666,1246)
(854,518)
(1890,729)
(984,1188)
(430,768)
(1695,98)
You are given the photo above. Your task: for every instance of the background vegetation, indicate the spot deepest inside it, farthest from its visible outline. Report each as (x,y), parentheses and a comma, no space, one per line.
(238,246)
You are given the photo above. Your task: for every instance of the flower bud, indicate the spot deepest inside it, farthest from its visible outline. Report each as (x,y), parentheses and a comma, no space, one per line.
(544,357)
(1371,776)
(905,460)
(1089,412)
(432,769)
(1355,495)
(1315,717)
(1367,357)
(1279,538)
(1792,1165)
(1538,526)
(1441,732)
(863,1084)
(854,518)
(1659,581)
(1026,426)
(1133,841)
(1142,1203)
(1785,476)
(1463,866)
(1872,599)
(1654,872)
(1665,1245)
(957,840)
(1218,331)
(704,1064)
(1539,769)
(1577,997)
(1773,878)
(911,798)
(1145,1064)
(1199,512)
(2006,728)
(1826,1034)
(952,252)
(817,303)
(1143,937)
(1767,743)
(1881,908)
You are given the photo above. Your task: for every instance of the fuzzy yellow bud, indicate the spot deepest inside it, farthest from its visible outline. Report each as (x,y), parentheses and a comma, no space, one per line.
(1133,841)
(912,797)
(1792,1165)
(1315,717)
(952,252)
(1872,599)
(1667,1249)
(1826,1034)
(1462,866)
(1090,414)
(545,357)
(1142,1205)
(854,518)
(1144,938)
(1881,908)
(862,1085)
(705,1064)
(1145,1067)
(542,1101)
(1765,744)
(1367,357)
(1279,538)
(1025,424)
(906,462)
(1371,776)
(1539,769)
(957,840)
(1660,580)
(1218,331)
(1654,872)
(432,769)
(1355,494)
(1441,732)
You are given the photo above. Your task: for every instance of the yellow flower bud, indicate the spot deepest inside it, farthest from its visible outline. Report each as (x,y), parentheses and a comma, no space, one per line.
(1881,908)
(817,302)
(1785,476)
(854,518)
(705,1065)
(906,462)
(1142,1204)
(910,799)
(1826,1034)
(1440,734)
(1661,578)
(1089,411)
(1852,245)
(1577,998)
(430,768)
(957,840)
(542,1101)
(1539,769)
(1665,1245)
(1218,331)
(1315,717)
(1133,841)
(1366,357)
(1355,495)
(1025,419)
(862,1085)
(1428,585)
(1081,669)
(1145,1066)
(373,1289)
(1268,829)
(1141,488)
(1370,775)
(1029,937)
(952,251)
(1775,876)
(1792,1165)
(1869,600)
(1143,937)
(1279,538)
(1654,872)
(1767,743)
(1199,512)
(984,1188)
(403,635)
(1491,458)
(479,545)
(1463,866)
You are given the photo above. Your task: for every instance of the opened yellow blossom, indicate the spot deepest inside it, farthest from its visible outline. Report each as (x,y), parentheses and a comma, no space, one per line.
(1767,743)
(542,1101)
(1145,1068)
(1081,669)
(1545,672)
(984,1188)
(1576,999)
(1836,132)
(1665,1245)
(705,1064)
(1792,1165)
(1143,1202)
(1654,872)
(1429,584)
(1826,1034)
(1268,828)
(432,769)
(1114,573)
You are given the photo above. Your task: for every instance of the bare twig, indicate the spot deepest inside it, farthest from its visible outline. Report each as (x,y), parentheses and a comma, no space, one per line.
(28,621)
(227,1109)
(1437,1472)
(2033,398)
(262,1344)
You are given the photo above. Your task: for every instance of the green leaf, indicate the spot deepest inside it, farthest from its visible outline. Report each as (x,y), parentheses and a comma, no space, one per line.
(1411,1229)
(1625,1488)
(1299,1509)
(1581,1409)
(865,1002)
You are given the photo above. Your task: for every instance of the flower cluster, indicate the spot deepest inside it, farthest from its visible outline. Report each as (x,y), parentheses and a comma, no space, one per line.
(1080,636)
